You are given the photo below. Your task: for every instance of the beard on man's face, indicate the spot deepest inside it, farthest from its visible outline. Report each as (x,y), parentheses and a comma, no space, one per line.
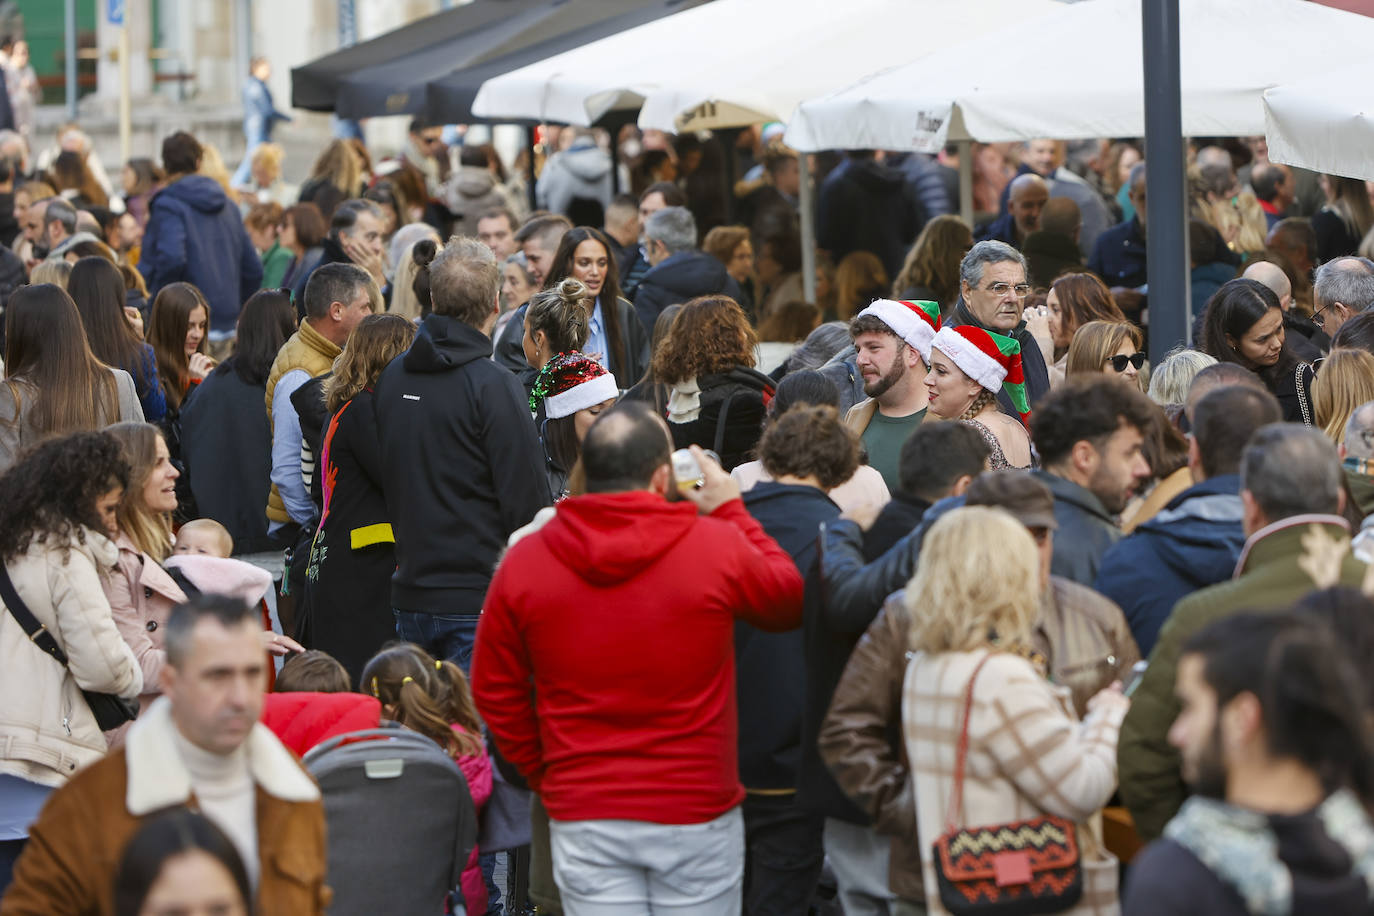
(1205,773)
(883,383)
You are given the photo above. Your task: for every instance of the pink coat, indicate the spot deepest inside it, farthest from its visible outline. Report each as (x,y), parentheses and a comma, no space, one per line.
(141,597)
(477,771)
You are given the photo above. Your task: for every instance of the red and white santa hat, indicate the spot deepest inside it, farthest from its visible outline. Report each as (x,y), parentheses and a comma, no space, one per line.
(990,359)
(571,382)
(913,320)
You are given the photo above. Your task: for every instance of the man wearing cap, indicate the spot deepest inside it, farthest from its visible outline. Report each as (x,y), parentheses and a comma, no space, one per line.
(1083,637)
(893,341)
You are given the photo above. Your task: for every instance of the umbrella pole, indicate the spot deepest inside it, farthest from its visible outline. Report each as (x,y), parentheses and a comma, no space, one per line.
(808,229)
(1168,308)
(966,181)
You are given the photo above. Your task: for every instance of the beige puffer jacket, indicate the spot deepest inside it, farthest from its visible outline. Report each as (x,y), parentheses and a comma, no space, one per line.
(47,732)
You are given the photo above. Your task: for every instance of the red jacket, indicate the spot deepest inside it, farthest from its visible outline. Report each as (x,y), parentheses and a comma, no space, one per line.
(303,719)
(620,612)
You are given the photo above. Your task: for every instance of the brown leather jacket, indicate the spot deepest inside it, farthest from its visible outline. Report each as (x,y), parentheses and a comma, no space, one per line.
(1085,640)
(74,847)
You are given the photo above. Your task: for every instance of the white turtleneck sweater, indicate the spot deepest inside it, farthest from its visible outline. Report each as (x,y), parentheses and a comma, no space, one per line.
(224,790)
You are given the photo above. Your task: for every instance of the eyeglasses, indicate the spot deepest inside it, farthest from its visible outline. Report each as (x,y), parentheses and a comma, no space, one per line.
(1022,290)
(1119,361)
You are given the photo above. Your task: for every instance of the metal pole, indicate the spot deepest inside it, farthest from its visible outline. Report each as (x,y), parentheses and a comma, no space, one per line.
(125,97)
(1166,200)
(808,228)
(69,34)
(966,181)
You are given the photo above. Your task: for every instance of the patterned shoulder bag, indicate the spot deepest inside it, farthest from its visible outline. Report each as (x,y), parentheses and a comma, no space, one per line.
(1011,869)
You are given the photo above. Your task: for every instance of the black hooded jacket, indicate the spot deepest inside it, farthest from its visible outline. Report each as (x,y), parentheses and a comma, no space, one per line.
(678,278)
(462,463)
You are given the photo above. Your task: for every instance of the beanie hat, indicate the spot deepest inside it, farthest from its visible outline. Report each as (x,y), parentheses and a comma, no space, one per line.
(992,360)
(914,321)
(571,382)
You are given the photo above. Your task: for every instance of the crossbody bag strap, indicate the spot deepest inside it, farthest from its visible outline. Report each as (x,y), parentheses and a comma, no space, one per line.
(1302,394)
(36,631)
(956,799)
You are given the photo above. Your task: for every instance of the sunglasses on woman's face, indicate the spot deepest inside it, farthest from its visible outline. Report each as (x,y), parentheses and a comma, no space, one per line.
(1119,361)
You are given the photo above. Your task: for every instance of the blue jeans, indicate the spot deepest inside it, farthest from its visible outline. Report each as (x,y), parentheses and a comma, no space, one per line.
(445,636)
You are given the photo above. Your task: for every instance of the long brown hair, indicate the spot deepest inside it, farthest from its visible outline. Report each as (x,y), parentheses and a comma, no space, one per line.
(425,695)
(97,288)
(46,351)
(859,280)
(561,267)
(376,341)
(167,325)
(933,261)
(1084,298)
(69,172)
(151,531)
(710,334)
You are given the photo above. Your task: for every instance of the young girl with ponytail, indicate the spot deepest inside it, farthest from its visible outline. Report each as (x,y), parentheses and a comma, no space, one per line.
(432,697)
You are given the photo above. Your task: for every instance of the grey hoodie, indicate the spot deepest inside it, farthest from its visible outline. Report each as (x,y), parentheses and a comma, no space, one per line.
(582,170)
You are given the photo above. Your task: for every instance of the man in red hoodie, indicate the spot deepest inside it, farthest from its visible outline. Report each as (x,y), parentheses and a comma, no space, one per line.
(620,612)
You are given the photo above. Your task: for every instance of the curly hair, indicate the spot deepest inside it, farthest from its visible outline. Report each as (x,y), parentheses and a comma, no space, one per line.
(810,440)
(933,261)
(711,334)
(376,341)
(49,494)
(1087,408)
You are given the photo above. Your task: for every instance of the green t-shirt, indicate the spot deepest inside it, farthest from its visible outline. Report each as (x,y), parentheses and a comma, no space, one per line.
(884,439)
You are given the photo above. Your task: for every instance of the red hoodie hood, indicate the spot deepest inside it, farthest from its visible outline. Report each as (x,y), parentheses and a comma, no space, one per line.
(607,538)
(304,719)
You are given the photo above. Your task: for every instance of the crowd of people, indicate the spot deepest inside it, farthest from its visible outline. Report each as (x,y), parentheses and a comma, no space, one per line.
(929,595)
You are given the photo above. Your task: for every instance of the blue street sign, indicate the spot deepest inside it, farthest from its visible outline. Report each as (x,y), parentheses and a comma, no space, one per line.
(114,11)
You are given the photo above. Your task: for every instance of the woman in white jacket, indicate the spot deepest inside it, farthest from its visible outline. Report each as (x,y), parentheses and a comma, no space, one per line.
(57,508)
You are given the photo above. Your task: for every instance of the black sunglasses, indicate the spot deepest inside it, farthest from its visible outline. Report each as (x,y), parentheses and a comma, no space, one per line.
(1119,362)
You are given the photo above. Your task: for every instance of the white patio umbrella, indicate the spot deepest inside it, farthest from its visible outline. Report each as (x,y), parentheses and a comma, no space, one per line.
(736,62)
(1077,73)
(1324,123)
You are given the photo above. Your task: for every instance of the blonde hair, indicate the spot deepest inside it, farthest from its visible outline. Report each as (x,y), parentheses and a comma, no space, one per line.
(1096,342)
(978,582)
(269,155)
(212,527)
(150,531)
(56,271)
(212,166)
(1345,382)
(376,341)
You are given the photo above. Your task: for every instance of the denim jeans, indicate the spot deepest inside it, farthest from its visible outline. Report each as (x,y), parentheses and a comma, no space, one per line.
(445,636)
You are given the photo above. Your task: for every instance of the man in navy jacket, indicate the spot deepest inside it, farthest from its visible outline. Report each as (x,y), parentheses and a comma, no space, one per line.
(1197,538)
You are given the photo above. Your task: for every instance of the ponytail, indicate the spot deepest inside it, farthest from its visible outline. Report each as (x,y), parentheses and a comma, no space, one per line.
(563,313)
(425,697)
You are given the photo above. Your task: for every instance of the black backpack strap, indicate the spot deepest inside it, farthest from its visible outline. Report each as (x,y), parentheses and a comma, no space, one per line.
(188,588)
(720,422)
(36,631)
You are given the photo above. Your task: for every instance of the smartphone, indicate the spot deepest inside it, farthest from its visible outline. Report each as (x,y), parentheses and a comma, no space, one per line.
(687,471)
(1137,675)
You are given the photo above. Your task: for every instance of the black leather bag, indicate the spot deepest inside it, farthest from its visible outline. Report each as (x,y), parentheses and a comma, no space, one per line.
(110,711)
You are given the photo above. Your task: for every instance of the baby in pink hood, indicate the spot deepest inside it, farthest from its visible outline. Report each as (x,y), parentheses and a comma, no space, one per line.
(202,552)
